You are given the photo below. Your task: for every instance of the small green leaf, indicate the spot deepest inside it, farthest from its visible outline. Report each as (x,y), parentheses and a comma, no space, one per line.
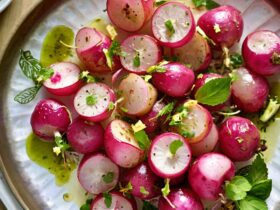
(86,77)
(111,106)
(187,134)
(237,188)
(236,60)
(61,142)
(214,92)
(157,3)
(144,191)
(147,78)
(86,206)
(166,110)
(174,146)
(251,203)
(258,171)
(29,65)
(160,68)
(108,178)
(148,206)
(209,4)
(170,28)
(261,189)
(123,109)
(91,100)
(142,139)
(114,49)
(136,60)
(27,95)
(166,189)
(107,199)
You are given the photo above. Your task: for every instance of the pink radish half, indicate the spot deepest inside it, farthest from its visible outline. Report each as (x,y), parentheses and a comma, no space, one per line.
(48,117)
(85,137)
(179,18)
(138,95)
(119,202)
(261,50)
(207,144)
(208,174)
(92,170)
(92,101)
(121,146)
(65,80)
(129,15)
(143,48)
(196,53)
(165,164)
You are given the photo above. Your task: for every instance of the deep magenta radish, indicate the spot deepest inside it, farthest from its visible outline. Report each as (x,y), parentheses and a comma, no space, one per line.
(129,15)
(176,81)
(249,90)
(93,100)
(85,137)
(151,120)
(239,138)
(196,53)
(182,199)
(65,80)
(142,51)
(224,25)
(48,117)
(207,144)
(261,52)
(173,24)
(138,95)
(144,182)
(90,44)
(119,202)
(208,174)
(165,164)
(92,170)
(121,146)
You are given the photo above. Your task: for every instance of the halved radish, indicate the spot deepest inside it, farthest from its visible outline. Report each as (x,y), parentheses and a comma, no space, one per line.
(165,164)
(173,24)
(142,51)
(138,95)
(65,79)
(118,76)
(93,172)
(92,101)
(121,146)
(207,144)
(196,124)
(119,202)
(129,15)
(90,44)
(196,53)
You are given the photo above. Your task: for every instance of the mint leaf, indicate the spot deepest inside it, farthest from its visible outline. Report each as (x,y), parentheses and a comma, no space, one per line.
(209,4)
(29,65)
(262,189)
(86,206)
(107,199)
(166,189)
(142,139)
(148,206)
(174,146)
(157,3)
(214,92)
(237,188)
(108,178)
(251,203)
(27,95)
(170,28)
(258,171)
(136,60)
(144,191)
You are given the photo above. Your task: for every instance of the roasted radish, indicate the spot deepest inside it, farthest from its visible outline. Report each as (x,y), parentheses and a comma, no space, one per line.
(239,138)
(208,174)
(92,102)
(121,146)
(261,52)
(141,52)
(134,89)
(173,24)
(65,80)
(85,137)
(48,117)
(97,173)
(169,155)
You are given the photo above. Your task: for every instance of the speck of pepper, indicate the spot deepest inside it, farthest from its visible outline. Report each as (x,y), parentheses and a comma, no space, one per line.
(87,38)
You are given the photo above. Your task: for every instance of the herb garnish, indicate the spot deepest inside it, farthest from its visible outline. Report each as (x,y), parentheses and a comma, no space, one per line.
(86,77)
(174,146)
(209,4)
(136,60)
(144,191)
(157,3)
(108,178)
(114,49)
(107,199)
(86,206)
(170,28)
(61,145)
(148,206)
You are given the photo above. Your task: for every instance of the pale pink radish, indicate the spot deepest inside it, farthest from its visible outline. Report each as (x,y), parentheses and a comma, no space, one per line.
(92,172)
(90,44)
(92,102)
(207,144)
(65,80)
(48,117)
(138,95)
(173,24)
(141,52)
(161,160)
(118,76)
(261,52)
(119,202)
(121,146)
(85,137)
(239,138)
(129,15)
(208,174)
(196,53)
(249,90)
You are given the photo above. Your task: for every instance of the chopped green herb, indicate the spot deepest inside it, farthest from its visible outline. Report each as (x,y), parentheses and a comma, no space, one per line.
(271,109)
(107,199)
(160,68)
(147,78)
(111,106)
(127,188)
(91,100)
(86,77)
(157,3)
(123,109)
(136,60)
(108,178)
(178,117)
(187,134)
(142,139)
(144,191)
(203,34)
(209,4)
(174,146)
(166,189)
(166,110)
(86,206)
(114,49)
(170,28)
(148,206)
(61,145)
(236,60)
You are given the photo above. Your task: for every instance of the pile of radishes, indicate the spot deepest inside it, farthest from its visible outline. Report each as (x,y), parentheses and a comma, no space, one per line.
(145,131)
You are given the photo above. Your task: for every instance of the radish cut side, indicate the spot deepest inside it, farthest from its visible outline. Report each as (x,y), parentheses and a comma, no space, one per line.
(142,46)
(182,21)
